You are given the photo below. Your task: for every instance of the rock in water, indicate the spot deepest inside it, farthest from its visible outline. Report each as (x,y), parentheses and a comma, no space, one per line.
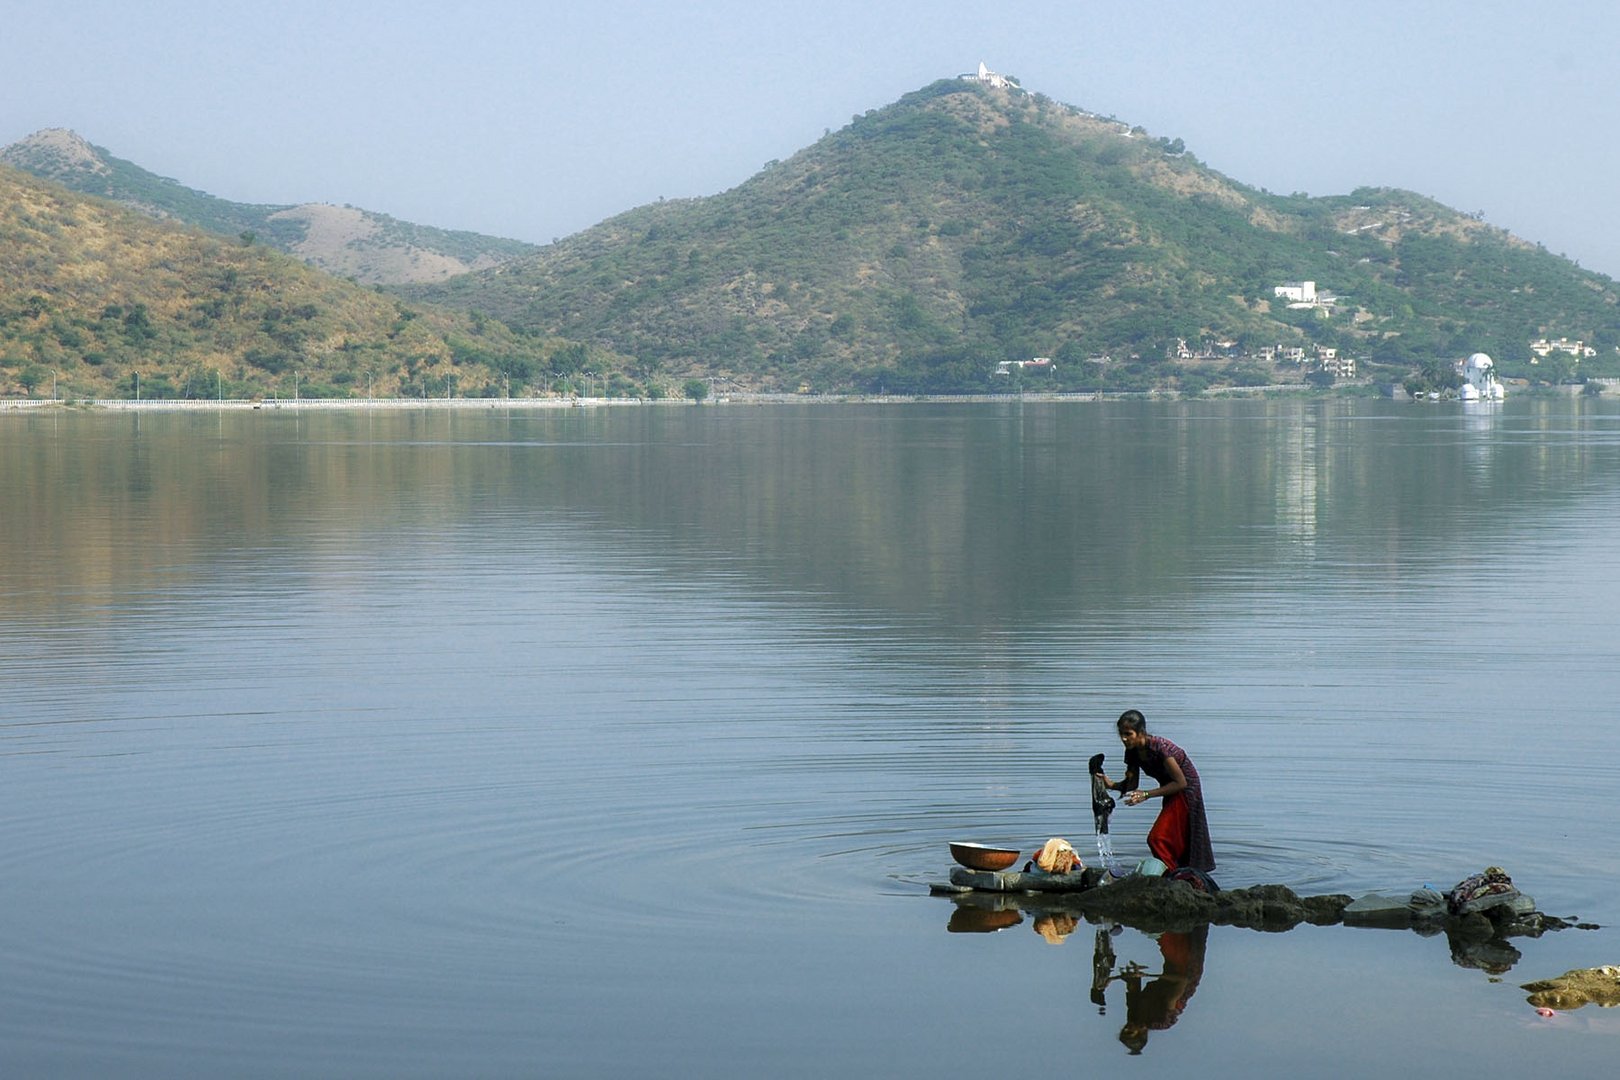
(1572,989)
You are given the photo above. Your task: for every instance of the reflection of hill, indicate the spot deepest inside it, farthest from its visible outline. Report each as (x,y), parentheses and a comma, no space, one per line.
(948,512)
(951,515)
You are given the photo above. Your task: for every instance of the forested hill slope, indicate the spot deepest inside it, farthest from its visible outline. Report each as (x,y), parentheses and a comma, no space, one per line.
(965,224)
(99,301)
(342,240)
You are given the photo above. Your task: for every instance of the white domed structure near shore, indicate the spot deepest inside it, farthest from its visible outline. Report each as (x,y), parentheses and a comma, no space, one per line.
(1479,380)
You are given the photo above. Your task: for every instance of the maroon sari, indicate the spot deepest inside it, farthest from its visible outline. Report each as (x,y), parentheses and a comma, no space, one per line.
(1180,836)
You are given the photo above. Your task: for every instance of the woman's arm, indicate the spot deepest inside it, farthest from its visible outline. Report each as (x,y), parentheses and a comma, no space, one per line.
(1178,782)
(1131,777)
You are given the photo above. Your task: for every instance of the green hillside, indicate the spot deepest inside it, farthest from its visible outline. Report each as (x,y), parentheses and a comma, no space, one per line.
(371,248)
(965,225)
(99,301)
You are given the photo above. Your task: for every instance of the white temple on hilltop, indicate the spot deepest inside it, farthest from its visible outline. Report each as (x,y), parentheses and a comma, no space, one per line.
(990,78)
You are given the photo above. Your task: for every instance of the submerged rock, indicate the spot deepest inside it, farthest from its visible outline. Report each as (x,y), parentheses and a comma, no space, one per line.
(1277,907)
(1149,903)
(1156,903)
(1572,989)
(1478,936)
(1375,910)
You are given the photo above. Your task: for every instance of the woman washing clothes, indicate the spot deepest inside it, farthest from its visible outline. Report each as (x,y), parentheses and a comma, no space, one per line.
(1180,837)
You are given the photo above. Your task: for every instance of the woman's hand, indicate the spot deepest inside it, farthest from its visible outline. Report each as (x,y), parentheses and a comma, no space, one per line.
(1134,797)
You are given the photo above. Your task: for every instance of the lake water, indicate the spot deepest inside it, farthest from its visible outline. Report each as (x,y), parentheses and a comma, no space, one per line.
(625,742)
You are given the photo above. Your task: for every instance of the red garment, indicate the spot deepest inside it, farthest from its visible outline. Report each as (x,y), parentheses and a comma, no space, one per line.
(1169,836)
(1159,1004)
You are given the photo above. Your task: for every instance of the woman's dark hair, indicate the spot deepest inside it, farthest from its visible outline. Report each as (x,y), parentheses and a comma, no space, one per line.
(1132,720)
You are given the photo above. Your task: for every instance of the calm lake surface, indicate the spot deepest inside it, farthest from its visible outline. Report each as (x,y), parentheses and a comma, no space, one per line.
(625,742)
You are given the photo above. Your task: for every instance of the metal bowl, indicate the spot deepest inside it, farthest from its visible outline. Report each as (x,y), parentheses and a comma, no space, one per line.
(983,856)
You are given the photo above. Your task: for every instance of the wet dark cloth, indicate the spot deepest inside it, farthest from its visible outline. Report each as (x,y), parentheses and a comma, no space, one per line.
(1182,828)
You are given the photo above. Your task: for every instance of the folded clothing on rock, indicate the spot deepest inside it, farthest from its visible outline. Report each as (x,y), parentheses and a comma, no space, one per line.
(1485,889)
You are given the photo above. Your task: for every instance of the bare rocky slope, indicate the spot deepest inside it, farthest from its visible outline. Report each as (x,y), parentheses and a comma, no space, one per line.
(370,248)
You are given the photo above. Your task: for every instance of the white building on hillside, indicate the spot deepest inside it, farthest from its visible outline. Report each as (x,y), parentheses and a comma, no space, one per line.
(1039,363)
(1298,292)
(1341,367)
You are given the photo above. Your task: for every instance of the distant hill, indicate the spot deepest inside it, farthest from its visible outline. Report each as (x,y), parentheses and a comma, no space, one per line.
(99,301)
(370,248)
(967,224)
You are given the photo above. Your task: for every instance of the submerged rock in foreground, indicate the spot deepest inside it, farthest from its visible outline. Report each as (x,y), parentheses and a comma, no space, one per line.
(1572,989)
(1156,903)
(1170,905)
(1150,903)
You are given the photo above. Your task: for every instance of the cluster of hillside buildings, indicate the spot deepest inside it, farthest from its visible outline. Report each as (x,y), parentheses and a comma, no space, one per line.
(1316,357)
(1541,348)
(1325,358)
(1304,296)
(1299,296)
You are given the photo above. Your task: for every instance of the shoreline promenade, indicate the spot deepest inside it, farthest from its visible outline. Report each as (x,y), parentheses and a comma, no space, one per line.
(464,403)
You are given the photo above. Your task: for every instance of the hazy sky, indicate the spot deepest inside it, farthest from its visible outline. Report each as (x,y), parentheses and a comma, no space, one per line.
(535,120)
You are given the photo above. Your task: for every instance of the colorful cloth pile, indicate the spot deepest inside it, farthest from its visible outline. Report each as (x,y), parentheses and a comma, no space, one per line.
(1488,888)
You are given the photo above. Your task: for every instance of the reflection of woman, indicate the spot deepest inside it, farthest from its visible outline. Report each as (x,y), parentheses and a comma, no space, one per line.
(1180,836)
(1158,1005)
